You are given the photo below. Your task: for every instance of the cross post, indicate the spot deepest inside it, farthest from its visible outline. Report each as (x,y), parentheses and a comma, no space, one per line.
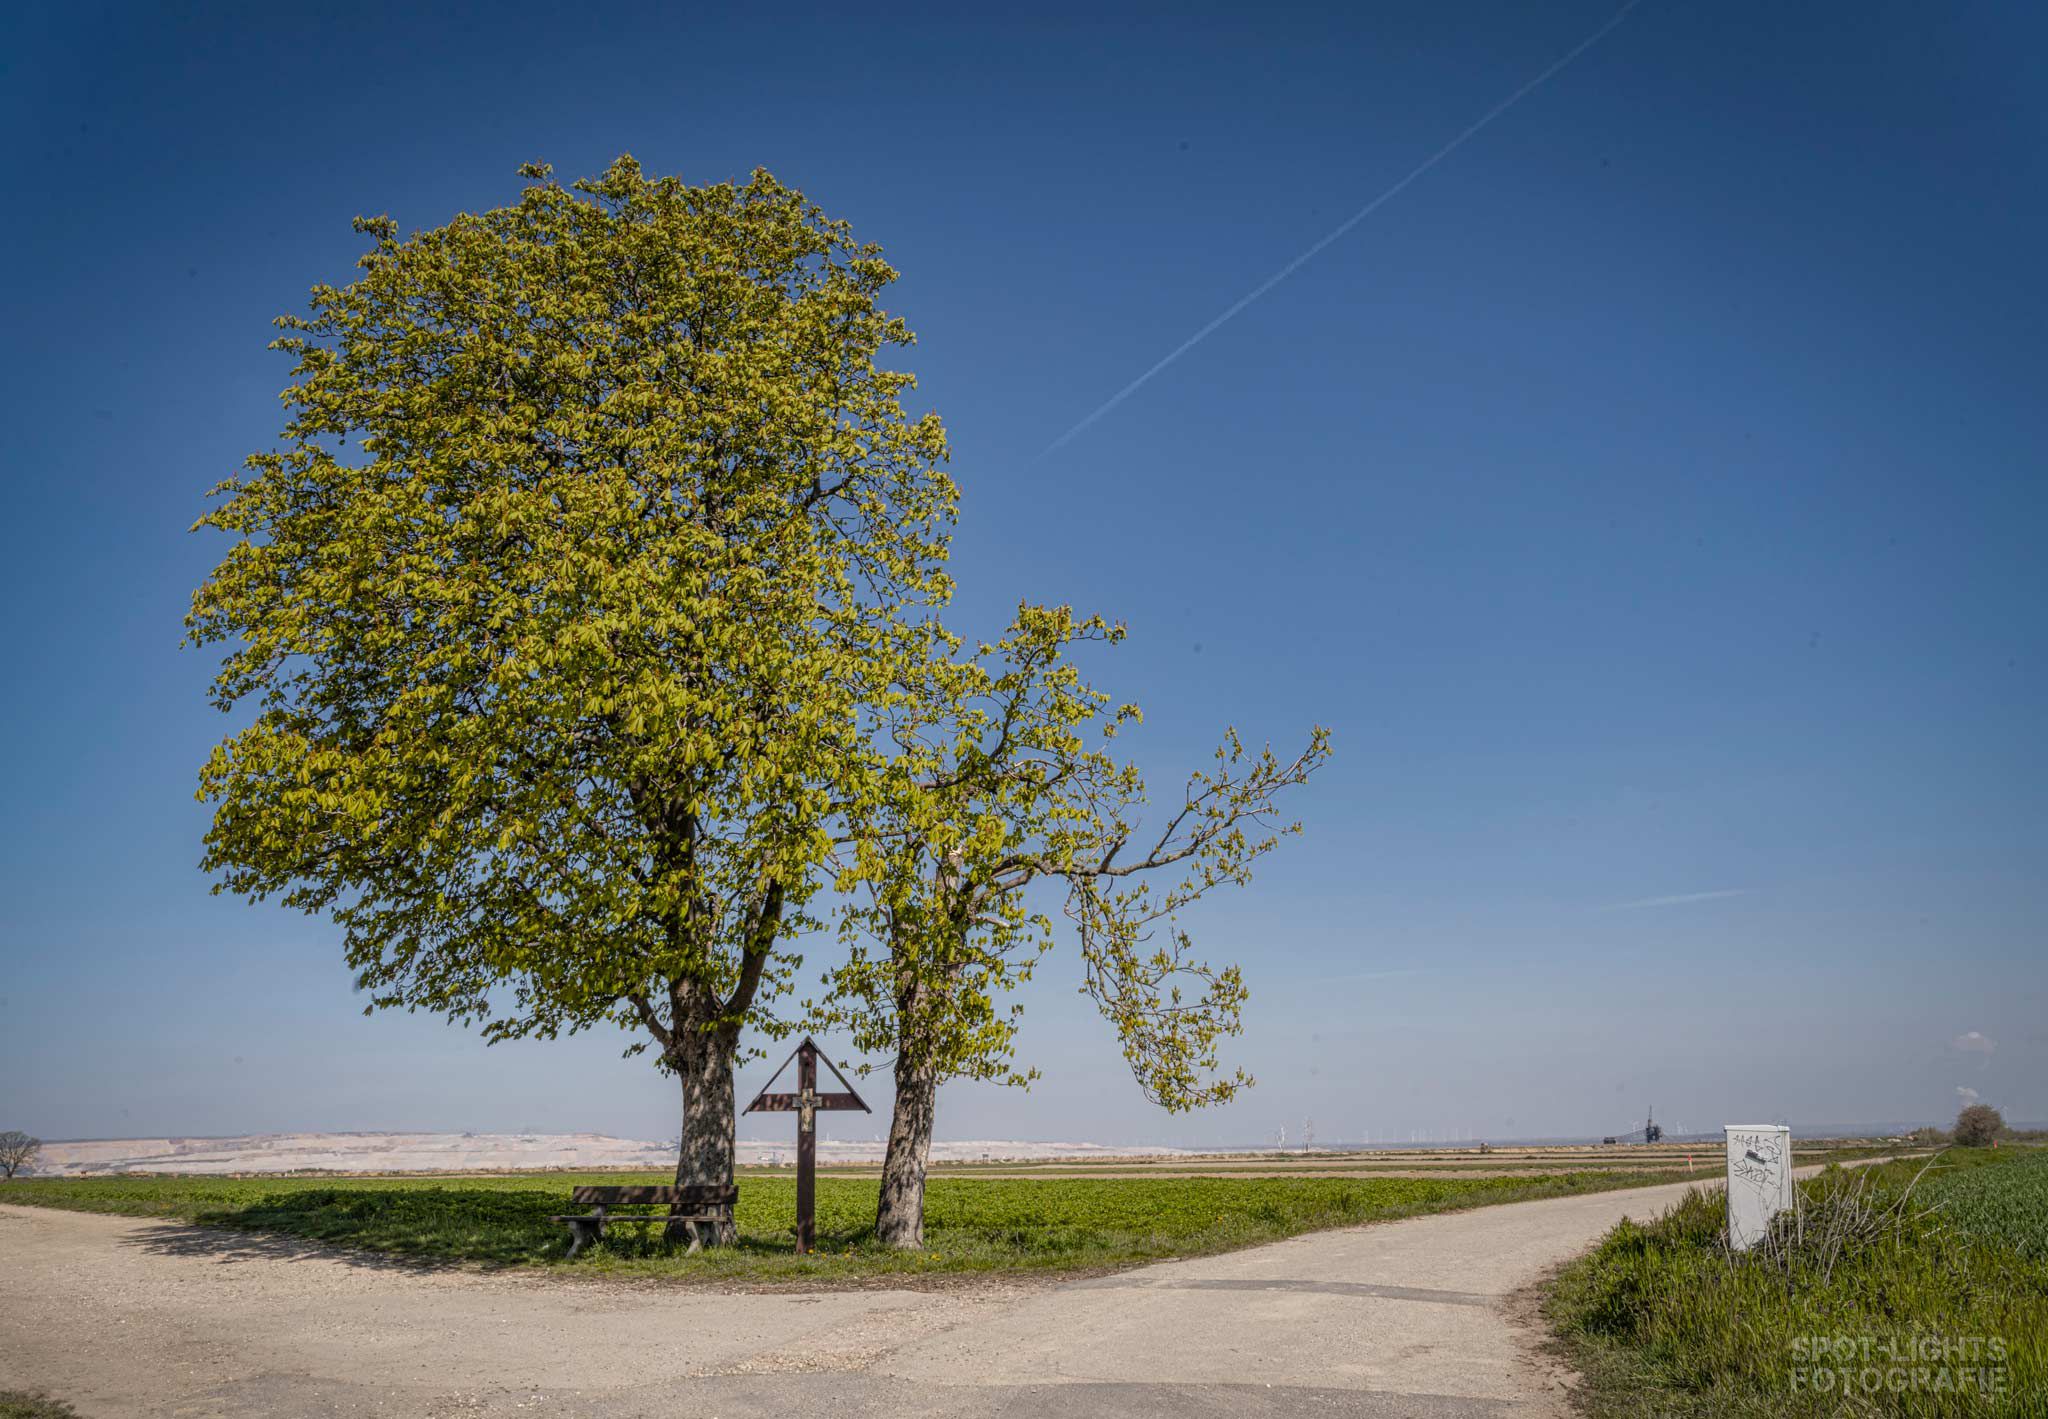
(806,1147)
(805,1104)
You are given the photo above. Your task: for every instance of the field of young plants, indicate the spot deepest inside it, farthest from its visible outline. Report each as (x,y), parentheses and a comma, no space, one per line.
(1900,1290)
(2005,1206)
(972,1224)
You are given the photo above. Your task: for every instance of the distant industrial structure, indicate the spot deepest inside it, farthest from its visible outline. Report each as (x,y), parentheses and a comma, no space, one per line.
(1650,1132)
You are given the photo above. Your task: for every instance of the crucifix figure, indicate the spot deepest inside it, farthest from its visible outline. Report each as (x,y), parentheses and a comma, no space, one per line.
(805,1103)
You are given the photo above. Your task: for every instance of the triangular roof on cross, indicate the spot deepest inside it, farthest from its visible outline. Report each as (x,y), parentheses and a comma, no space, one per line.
(761,1097)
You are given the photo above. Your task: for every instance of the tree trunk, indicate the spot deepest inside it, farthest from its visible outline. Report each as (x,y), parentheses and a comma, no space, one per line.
(899,1217)
(703,1061)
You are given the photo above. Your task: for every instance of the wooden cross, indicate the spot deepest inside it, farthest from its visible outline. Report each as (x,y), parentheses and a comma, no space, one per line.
(805,1103)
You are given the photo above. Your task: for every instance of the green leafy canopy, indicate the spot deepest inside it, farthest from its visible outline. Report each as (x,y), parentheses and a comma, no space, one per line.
(594,537)
(1002,777)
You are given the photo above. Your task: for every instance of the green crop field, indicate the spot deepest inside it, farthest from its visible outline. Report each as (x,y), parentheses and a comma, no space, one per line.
(2004,1206)
(1896,1291)
(972,1224)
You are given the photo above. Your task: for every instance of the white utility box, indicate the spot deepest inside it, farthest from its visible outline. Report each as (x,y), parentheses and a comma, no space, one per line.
(1759,1180)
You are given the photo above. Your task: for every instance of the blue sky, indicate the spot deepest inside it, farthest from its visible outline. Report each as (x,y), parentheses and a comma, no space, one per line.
(1649,495)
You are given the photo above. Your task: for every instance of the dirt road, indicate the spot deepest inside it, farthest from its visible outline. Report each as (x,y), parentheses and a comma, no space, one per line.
(126,1317)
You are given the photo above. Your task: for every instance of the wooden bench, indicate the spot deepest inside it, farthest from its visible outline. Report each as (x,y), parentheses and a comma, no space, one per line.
(693,1203)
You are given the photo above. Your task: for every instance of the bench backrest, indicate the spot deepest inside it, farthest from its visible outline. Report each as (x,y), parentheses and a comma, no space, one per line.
(693,1195)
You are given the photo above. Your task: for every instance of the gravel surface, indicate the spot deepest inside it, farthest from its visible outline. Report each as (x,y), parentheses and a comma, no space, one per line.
(1416,1318)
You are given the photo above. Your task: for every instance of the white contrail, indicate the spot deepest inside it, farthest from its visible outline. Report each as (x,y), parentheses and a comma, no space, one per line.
(1346,225)
(1682,899)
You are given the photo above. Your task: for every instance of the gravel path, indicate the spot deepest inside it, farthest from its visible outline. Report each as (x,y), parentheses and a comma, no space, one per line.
(124,1317)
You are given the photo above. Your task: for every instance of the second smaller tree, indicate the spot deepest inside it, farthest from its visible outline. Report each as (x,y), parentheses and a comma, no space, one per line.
(1002,778)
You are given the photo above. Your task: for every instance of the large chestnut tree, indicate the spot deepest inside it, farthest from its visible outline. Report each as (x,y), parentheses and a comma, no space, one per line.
(556,621)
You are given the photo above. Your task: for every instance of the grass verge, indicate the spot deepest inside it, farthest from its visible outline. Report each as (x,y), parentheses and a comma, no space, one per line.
(972,1224)
(1891,1292)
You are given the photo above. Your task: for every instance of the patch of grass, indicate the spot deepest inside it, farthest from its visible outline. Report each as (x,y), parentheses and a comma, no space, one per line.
(2006,1205)
(971,1224)
(1836,1314)
(16,1404)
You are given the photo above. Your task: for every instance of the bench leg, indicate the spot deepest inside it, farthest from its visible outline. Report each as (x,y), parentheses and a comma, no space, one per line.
(582,1233)
(668,1233)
